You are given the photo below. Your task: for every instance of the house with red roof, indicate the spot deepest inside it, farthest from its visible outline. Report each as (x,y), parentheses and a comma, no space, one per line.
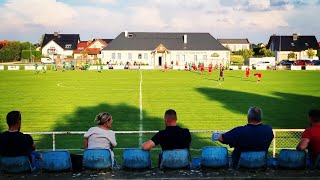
(91,49)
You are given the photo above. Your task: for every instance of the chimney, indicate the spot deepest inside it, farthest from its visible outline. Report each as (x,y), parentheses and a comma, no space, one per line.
(185,40)
(295,36)
(126,33)
(55,33)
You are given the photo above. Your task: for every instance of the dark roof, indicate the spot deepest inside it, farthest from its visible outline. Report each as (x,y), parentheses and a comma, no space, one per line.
(234,41)
(108,41)
(172,41)
(288,44)
(62,40)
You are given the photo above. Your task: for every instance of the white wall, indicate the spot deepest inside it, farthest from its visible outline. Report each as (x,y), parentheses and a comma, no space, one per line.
(283,55)
(153,59)
(59,50)
(256,60)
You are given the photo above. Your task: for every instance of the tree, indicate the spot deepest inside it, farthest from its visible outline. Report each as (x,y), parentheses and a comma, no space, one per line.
(245,53)
(41,40)
(266,52)
(292,55)
(84,54)
(310,53)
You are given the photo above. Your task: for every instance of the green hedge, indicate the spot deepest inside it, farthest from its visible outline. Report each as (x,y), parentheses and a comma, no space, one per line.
(25,54)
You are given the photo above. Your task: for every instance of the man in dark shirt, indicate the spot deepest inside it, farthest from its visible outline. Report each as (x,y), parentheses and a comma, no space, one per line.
(173,137)
(14,143)
(252,137)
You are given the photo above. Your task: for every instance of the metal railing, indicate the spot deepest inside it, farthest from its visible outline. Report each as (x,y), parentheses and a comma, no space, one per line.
(283,139)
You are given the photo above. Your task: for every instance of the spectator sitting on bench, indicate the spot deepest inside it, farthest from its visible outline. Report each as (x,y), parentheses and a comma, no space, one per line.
(14,143)
(252,137)
(311,136)
(173,137)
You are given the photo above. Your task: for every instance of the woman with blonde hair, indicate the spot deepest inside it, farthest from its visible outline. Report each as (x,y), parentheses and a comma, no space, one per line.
(101,137)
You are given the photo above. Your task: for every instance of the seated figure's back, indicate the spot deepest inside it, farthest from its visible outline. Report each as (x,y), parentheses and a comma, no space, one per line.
(173,137)
(15,144)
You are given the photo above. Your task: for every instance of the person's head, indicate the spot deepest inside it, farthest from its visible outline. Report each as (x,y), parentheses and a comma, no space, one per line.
(254,115)
(14,120)
(170,117)
(314,116)
(104,119)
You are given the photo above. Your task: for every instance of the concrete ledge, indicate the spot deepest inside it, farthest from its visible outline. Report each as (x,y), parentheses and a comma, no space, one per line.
(295,68)
(1,67)
(312,67)
(13,67)
(261,68)
(234,67)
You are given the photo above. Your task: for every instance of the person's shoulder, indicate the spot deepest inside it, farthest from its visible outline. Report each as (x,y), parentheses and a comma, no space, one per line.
(266,126)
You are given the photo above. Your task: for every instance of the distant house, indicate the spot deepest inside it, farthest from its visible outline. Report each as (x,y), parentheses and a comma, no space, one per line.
(59,46)
(283,45)
(92,48)
(156,49)
(235,44)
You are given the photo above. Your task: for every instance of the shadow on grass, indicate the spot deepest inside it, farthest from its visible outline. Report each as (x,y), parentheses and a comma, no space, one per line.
(283,111)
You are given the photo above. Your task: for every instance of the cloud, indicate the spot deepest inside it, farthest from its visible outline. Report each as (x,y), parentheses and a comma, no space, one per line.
(253,19)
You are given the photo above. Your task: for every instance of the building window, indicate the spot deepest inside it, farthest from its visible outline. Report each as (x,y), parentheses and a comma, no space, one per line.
(195,57)
(139,56)
(306,44)
(182,58)
(204,57)
(292,44)
(113,55)
(146,56)
(119,55)
(130,56)
(178,57)
(68,46)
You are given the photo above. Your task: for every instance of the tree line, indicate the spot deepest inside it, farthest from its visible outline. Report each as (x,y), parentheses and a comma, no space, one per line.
(15,51)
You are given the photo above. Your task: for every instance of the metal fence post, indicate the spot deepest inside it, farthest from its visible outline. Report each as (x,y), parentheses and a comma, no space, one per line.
(53,142)
(274,144)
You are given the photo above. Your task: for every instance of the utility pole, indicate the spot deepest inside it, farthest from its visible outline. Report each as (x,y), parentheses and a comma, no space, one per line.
(30,52)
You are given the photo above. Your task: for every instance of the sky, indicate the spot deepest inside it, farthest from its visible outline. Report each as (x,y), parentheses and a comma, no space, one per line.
(27,20)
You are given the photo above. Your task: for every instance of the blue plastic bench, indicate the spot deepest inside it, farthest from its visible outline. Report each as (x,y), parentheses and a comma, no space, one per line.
(292,159)
(214,157)
(136,159)
(97,159)
(175,159)
(253,159)
(17,164)
(55,161)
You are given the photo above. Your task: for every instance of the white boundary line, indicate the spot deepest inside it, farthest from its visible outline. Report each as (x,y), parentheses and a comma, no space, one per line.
(141,117)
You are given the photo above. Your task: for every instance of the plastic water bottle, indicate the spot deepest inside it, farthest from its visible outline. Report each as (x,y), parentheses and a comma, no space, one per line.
(215,136)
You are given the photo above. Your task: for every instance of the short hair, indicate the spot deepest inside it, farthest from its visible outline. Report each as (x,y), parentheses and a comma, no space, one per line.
(13,117)
(103,118)
(315,115)
(171,112)
(255,113)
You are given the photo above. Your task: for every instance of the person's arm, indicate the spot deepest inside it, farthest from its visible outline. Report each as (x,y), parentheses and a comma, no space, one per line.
(155,140)
(85,146)
(112,140)
(148,145)
(303,144)
(229,137)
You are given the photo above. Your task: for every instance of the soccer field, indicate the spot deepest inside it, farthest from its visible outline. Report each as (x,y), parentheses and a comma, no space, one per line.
(137,100)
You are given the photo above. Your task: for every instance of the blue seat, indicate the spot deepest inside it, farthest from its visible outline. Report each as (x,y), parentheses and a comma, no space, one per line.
(136,159)
(253,159)
(292,159)
(17,164)
(214,157)
(55,161)
(97,159)
(272,162)
(175,159)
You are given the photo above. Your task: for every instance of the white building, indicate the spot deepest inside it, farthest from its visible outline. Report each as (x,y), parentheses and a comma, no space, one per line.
(235,44)
(283,45)
(59,46)
(156,49)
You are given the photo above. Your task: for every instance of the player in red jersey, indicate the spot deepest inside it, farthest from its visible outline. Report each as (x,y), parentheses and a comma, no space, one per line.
(259,75)
(186,66)
(210,69)
(194,67)
(202,68)
(247,71)
(165,67)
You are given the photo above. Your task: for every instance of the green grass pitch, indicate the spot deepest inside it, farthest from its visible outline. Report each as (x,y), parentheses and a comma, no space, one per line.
(69,101)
